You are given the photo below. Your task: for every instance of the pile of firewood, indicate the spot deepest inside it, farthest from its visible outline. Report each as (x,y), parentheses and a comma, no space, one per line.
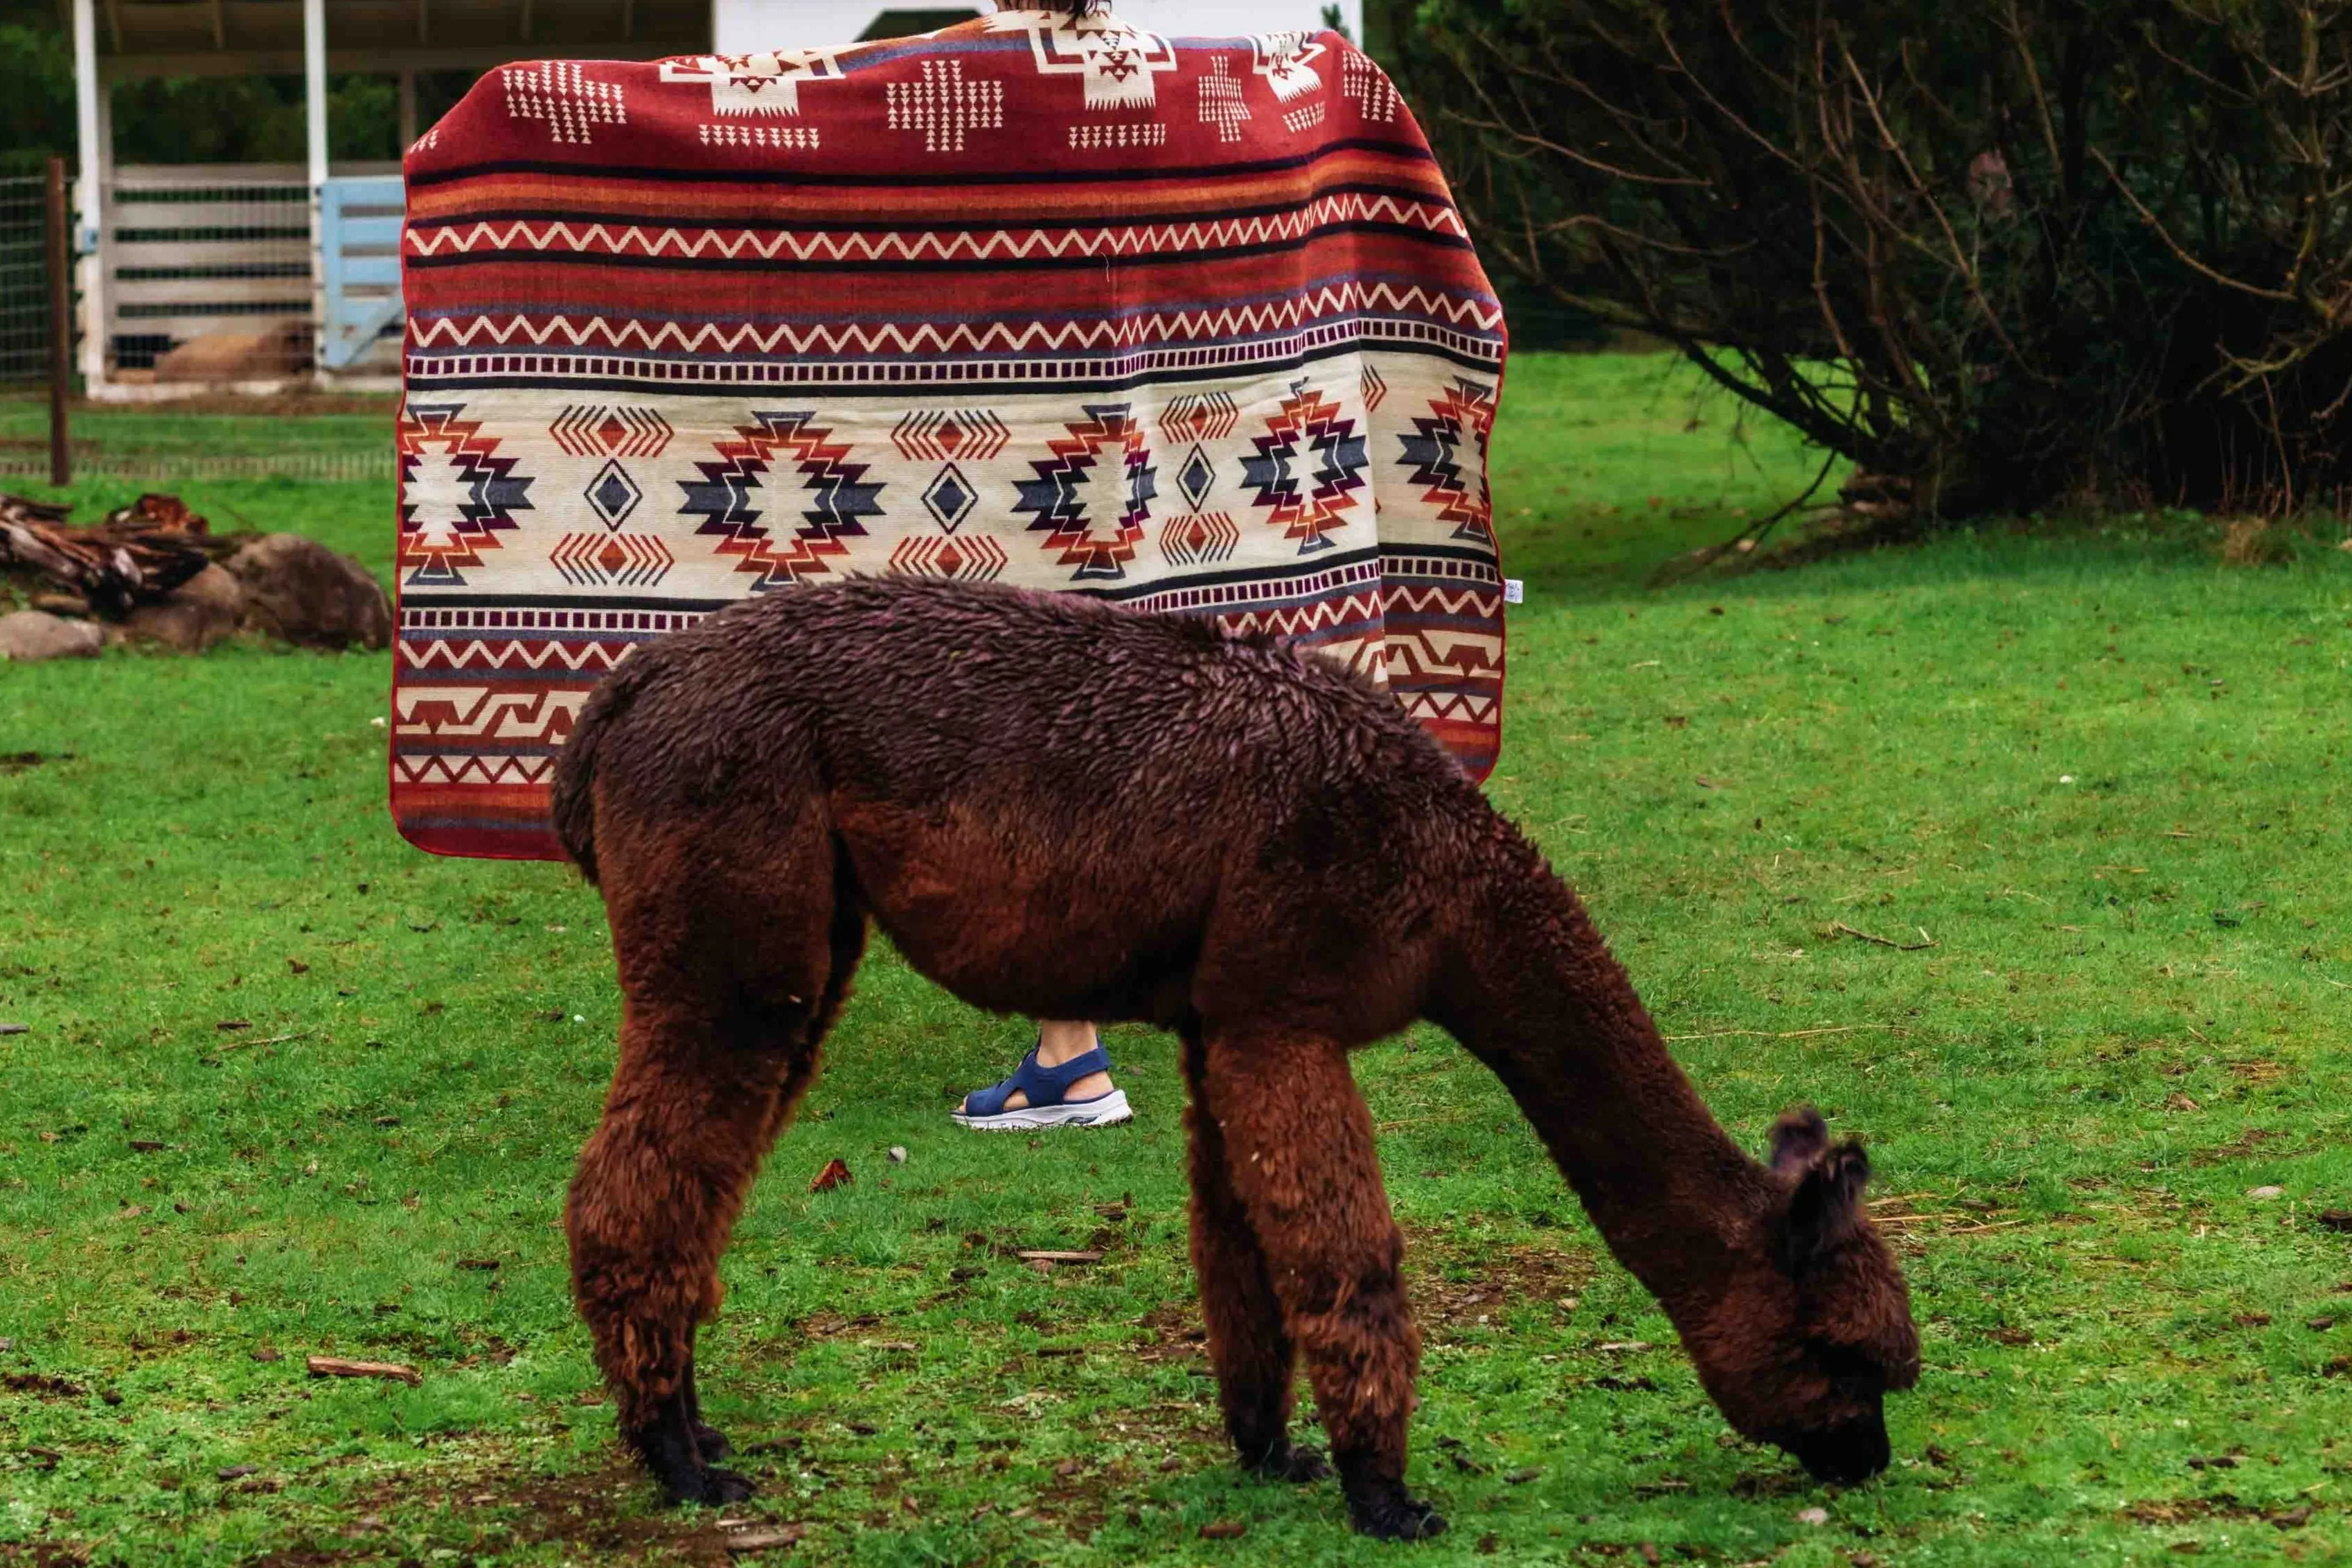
(155,572)
(137,556)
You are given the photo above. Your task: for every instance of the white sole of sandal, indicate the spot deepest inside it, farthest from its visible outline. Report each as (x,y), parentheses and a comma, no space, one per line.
(1105,1111)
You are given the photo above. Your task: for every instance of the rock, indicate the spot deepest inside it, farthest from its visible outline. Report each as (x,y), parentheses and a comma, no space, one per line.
(192,616)
(2264,1194)
(36,634)
(298,589)
(283,350)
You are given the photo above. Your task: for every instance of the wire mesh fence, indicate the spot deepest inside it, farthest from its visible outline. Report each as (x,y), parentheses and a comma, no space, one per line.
(213,263)
(115,454)
(24,281)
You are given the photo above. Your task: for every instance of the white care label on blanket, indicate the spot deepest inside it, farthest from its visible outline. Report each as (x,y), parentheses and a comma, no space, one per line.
(1515,591)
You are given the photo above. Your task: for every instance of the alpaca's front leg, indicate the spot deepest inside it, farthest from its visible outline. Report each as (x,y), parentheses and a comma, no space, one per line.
(1299,1149)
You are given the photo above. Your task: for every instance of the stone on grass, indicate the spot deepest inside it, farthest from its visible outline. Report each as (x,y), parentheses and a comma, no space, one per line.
(194,615)
(298,589)
(31,635)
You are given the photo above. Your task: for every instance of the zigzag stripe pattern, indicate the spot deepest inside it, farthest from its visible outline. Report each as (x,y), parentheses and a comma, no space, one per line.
(996,337)
(686,244)
(1459,706)
(476,654)
(472,770)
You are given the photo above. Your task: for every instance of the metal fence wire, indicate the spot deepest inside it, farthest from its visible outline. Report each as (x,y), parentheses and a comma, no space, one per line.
(24,281)
(191,256)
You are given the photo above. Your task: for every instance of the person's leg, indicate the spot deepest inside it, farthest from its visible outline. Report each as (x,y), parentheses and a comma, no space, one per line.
(1059,1041)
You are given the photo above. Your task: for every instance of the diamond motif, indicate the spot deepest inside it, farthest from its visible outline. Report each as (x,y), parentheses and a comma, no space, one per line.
(612,495)
(951,497)
(1197,477)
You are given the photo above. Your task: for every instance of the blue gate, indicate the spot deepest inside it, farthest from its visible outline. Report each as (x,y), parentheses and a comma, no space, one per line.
(358,235)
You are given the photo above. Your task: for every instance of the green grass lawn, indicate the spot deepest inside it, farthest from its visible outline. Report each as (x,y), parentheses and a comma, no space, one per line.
(2084,784)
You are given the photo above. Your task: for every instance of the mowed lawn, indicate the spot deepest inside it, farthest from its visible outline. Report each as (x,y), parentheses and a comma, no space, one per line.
(2024,858)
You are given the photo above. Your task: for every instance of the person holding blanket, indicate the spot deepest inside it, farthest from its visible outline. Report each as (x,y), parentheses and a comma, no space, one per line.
(1044,297)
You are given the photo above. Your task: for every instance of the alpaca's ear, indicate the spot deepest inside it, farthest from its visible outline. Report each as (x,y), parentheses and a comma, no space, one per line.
(1800,1138)
(1826,1206)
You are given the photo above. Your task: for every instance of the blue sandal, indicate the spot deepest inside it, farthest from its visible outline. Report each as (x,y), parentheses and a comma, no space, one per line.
(1048,1089)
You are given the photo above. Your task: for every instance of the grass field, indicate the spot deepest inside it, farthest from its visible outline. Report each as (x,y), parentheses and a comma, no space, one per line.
(2084,783)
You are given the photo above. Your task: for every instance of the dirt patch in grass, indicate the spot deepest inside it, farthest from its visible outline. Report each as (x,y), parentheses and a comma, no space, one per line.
(1446,1288)
(44,1553)
(590,1513)
(41,1386)
(2244,1146)
(1174,1332)
(1451,1288)
(2219,1505)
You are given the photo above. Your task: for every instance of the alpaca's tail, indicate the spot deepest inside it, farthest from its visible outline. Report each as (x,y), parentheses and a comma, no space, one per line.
(575,796)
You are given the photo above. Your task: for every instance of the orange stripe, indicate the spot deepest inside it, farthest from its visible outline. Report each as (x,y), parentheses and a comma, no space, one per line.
(704,205)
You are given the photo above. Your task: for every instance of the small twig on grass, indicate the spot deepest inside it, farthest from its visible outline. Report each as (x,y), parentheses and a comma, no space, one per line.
(1839,927)
(332,1366)
(272,1040)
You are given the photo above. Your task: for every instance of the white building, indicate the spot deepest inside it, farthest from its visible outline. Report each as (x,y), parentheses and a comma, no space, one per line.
(173,254)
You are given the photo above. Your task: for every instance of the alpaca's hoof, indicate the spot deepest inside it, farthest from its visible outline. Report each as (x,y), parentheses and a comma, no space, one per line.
(709,1485)
(1292,1463)
(675,1452)
(1387,1513)
(712,1443)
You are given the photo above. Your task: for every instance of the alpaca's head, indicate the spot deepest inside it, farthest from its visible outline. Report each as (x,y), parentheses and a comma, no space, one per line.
(1816,1328)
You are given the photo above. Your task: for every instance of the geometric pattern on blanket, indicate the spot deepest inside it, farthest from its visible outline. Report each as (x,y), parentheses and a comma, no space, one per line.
(1192,325)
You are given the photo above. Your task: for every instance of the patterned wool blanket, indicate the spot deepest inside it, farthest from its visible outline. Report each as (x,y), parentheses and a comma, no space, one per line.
(1192,325)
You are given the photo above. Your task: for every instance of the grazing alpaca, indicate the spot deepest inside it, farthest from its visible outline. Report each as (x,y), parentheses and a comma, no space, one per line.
(1063,809)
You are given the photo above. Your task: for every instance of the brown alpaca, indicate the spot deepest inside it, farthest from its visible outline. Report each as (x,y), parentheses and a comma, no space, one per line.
(1066,810)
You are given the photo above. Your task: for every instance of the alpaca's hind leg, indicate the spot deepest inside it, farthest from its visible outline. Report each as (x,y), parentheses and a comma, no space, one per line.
(847,943)
(719,1037)
(658,1189)
(1298,1147)
(1248,1346)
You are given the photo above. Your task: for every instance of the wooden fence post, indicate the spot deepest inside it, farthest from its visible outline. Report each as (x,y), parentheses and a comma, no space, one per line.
(61,325)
